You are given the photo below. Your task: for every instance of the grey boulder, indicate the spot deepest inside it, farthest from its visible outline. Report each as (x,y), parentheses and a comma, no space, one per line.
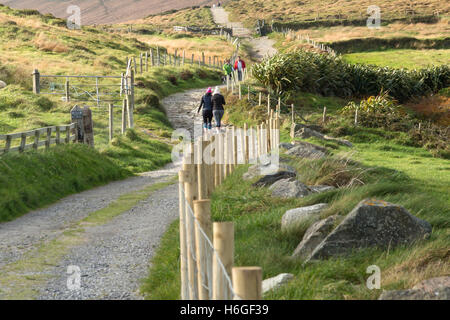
(307,150)
(431,289)
(2,84)
(286,145)
(307,132)
(270,179)
(294,217)
(314,236)
(372,223)
(276,282)
(257,170)
(289,188)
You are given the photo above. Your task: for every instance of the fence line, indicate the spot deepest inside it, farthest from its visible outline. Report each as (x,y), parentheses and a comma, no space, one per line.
(306,39)
(207,249)
(49,140)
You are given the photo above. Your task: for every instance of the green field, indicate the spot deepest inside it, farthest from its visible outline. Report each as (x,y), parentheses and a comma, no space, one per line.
(406,58)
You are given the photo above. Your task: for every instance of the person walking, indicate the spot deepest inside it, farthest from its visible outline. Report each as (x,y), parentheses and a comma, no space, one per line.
(228,70)
(239,65)
(218,101)
(206,103)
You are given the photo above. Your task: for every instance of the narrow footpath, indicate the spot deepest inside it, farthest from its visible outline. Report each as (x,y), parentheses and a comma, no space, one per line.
(112,253)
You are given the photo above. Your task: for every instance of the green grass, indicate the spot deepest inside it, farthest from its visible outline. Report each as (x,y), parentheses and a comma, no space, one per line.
(45,43)
(388,170)
(34,179)
(411,59)
(20,279)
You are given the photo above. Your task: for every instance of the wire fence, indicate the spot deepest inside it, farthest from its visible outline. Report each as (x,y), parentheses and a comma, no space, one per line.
(206,248)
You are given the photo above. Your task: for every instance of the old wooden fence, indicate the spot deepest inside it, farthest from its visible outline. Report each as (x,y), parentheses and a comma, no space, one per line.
(43,137)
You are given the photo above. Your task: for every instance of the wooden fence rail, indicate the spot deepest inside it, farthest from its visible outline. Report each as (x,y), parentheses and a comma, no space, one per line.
(42,137)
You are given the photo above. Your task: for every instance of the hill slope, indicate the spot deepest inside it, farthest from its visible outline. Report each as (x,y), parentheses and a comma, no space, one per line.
(104,11)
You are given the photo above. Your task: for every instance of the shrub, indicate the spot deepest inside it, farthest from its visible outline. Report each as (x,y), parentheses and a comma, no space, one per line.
(172,79)
(186,75)
(331,76)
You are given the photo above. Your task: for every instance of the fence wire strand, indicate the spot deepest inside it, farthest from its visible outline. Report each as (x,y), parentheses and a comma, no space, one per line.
(209,253)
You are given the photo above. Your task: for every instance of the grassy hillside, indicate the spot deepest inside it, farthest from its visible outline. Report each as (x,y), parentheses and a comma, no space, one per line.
(194,17)
(35,41)
(385,168)
(294,11)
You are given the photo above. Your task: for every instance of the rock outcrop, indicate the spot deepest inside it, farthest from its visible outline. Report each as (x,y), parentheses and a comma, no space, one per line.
(314,236)
(372,223)
(297,216)
(431,289)
(289,188)
(307,150)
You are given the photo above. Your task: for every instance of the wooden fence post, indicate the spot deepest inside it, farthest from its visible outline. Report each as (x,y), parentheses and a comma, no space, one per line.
(240,91)
(245,146)
(67,91)
(293,114)
(223,234)
(202,171)
(130,113)
(36,81)
(191,193)
(146,61)
(124,115)
(247,283)
(184,57)
(141,63)
(356,116)
(324,116)
(260,98)
(268,104)
(183,177)
(202,211)
(111,123)
(152,62)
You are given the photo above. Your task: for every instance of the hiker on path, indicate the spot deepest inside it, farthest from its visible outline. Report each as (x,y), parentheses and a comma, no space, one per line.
(239,65)
(206,103)
(228,70)
(218,101)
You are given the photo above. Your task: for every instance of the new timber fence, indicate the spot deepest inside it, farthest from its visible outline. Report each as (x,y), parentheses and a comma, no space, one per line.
(207,248)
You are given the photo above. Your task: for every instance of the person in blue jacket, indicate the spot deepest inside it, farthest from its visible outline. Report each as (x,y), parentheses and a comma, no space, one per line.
(206,104)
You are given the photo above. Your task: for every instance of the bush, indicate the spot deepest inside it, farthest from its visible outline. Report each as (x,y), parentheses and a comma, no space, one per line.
(331,76)
(186,75)
(172,79)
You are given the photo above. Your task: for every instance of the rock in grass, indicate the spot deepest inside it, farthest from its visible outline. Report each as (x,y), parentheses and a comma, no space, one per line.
(372,223)
(289,188)
(261,169)
(2,84)
(276,282)
(307,132)
(286,145)
(296,216)
(307,150)
(314,236)
(270,179)
(431,289)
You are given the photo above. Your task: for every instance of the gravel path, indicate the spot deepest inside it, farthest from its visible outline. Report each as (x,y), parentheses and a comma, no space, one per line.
(262,46)
(116,254)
